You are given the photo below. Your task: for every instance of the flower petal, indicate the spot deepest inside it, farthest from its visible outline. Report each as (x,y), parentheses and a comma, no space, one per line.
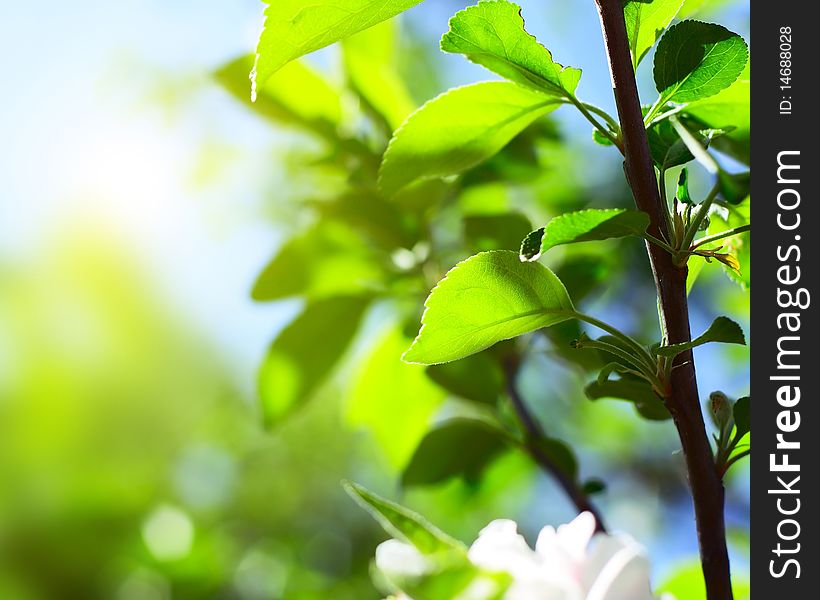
(542,590)
(626,575)
(397,559)
(600,552)
(575,536)
(500,547)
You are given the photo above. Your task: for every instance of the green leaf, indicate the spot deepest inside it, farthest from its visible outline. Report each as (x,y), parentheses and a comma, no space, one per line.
(648,404)
(458,130)
(520,161)
(645,22)
(739,246)
(402,523)
(487,298)
(370,59)
(584,226)
(455,578)
(742,415)
(531,246)
(619,344)
(600,138)
(297,96)
(380,222)
(456,448)
(477,378)
(422,196)
(669,150)
(582,274)
(593,486)
(728,110)
(492,35)
(304,354)
(495,232)
(682,192)
(696,60)
(695,269)
(698,7)
(394,402)
(294,28)
(560,454)
(722,330)
(326,260)
(734,187)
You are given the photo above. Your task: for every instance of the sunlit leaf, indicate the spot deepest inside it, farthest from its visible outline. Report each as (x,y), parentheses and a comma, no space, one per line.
(492,34)
(402,523)
(297,96)
(699,7)
(456,448)
(645,22)
(696,60)
(326,260)
(487,298)
(370,59)
(722,330)
(458,130)
(305,353)
(600,138)
(738,246)
(394,401)
(294,28)
(682,192)
(728,110)
(584,226)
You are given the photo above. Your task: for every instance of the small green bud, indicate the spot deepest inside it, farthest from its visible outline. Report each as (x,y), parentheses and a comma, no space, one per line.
(683,187)
(722,410)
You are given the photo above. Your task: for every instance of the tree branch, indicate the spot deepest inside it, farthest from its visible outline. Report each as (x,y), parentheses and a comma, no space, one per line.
(534,432)
(682,397)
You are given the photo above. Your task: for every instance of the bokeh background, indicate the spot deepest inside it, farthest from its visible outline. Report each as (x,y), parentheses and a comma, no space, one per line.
(139,202)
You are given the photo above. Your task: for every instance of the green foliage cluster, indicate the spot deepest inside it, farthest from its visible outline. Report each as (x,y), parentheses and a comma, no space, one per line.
(419,190)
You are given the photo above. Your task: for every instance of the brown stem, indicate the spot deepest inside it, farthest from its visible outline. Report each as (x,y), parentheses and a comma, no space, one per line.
(682,399)
(534,432)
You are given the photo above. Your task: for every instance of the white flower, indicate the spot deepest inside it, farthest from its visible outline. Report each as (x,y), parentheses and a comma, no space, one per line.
(572,563)
(398,559)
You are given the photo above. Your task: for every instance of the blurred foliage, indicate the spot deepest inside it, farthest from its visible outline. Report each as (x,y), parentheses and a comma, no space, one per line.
(130,467)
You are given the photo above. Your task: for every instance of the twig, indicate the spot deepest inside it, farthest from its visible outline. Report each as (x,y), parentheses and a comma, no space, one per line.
(535,432)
